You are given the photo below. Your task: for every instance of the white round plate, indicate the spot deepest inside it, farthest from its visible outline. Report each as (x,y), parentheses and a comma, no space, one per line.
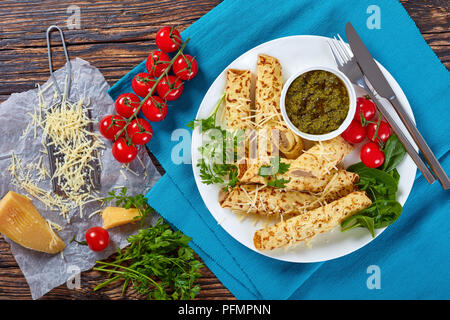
(295,53)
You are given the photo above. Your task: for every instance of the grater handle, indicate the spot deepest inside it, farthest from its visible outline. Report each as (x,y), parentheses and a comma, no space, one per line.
(68,66)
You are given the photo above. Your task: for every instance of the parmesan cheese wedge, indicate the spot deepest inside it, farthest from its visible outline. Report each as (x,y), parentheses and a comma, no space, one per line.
(21,222)
(116,216)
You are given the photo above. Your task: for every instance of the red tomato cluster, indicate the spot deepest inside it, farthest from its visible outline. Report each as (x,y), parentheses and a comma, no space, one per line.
(362,126)
(168,87)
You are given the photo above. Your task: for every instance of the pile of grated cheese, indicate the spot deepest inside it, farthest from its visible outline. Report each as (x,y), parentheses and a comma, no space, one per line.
(66,126)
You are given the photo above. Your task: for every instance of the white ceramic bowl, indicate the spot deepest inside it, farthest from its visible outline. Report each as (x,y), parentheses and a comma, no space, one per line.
(344,124)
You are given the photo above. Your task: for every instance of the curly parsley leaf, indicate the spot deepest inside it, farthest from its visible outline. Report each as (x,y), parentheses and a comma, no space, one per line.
(270,172)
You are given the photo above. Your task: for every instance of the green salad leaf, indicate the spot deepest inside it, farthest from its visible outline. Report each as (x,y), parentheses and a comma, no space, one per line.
(394,152)
(381,186)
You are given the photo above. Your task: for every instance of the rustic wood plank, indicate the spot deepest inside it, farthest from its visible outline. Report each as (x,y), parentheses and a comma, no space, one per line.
(124,32)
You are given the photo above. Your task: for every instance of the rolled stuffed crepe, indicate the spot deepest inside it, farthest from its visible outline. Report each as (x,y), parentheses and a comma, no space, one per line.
(311,223)
(268,88)
(322,158)
(298,180)
(237,99)
(289,144)
(274,202)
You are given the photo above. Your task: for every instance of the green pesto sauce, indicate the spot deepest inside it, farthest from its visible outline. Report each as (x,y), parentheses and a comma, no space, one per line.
(317,102)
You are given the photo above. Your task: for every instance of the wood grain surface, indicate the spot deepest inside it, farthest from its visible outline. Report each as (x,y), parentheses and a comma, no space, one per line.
(124,31)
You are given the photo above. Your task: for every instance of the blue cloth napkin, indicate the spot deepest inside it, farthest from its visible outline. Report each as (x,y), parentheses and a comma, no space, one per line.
(411,258)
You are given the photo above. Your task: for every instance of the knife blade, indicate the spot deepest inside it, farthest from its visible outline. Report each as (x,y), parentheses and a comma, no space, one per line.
(368,64)
(376,78)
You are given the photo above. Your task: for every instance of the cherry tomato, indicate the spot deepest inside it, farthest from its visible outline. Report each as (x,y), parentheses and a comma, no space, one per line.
(97,238)
(157,63)
(355,133)
(384,132)
(371,155)
(185,67)
(124,152)
(170,88)
(154,109)
(366,108)
(168,39)
(126,104)
(140,131)
(110,125)
(142,84)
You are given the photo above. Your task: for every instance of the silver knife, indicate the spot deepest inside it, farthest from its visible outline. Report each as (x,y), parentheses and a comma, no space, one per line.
(382,87)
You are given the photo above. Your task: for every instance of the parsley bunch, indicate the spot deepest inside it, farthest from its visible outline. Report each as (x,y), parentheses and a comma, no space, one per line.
(158,262)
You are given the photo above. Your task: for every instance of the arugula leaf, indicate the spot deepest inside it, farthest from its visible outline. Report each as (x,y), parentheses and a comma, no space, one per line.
(158,262)
(394,152)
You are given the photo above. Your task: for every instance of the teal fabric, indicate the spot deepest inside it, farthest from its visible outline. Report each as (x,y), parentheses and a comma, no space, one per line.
(412,255)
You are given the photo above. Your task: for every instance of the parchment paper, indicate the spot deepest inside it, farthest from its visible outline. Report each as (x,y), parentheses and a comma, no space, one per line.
(43,271)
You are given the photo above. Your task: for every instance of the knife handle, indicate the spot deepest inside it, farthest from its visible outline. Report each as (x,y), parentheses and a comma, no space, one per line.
(420,141)
(408,146)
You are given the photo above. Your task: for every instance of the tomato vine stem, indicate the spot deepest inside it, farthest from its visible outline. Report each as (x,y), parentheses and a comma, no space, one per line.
(166,71)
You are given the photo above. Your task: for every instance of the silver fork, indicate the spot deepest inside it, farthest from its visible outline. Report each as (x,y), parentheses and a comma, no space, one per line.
(347,65)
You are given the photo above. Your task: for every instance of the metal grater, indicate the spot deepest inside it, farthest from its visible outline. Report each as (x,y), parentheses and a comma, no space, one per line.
(91,177)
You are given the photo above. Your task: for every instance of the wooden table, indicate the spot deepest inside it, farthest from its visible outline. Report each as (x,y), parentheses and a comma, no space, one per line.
(124,32)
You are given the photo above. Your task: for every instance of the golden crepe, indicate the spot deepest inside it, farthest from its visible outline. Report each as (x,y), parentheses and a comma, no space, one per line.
(268,88)
(311,223)
(238,109)
(298,180)
(290,144)
(237,99)
(273,202)
(322,158)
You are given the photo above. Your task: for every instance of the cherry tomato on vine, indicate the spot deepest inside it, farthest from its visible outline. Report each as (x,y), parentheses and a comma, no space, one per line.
(355,133)
(142,83)
(157,63)
(185,67)
(170,88)
(154,109)
(126,104)
(97,238)
(365,107)
(140,131)
(371,155)
(384,131)
(110,125)
(123,151)
(168,39)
